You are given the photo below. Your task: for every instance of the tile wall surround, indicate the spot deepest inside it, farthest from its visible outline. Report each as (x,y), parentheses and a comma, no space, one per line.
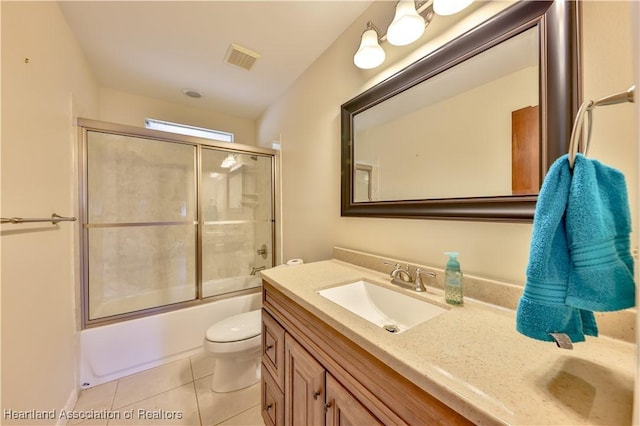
(618,325)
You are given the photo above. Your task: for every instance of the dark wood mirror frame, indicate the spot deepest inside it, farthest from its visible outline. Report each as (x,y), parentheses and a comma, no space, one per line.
(559,100)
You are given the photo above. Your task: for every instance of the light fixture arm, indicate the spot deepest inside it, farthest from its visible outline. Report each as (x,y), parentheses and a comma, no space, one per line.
(371,26)
(425,9)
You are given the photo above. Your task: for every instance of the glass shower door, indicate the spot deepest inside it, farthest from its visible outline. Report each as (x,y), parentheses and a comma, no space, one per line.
(237,218)
(140,223)
(168,221)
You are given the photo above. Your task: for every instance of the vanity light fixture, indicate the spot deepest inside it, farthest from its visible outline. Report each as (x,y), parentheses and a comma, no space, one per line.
(407,25)
(449,7)
(369,54)
(409,22)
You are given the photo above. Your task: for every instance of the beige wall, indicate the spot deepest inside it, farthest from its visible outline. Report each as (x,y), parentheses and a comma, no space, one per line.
(607,57)
(131,109)
(38,158)
(307,118)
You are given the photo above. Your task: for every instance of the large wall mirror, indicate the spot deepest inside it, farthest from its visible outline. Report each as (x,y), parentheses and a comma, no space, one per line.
(468,131)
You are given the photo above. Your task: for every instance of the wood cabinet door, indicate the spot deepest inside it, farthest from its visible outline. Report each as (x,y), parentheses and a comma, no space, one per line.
(272,401)
(343,409)
(304,386)
(273,348)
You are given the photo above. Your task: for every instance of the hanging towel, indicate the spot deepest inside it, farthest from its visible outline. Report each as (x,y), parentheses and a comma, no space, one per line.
(598,224)
(542,308)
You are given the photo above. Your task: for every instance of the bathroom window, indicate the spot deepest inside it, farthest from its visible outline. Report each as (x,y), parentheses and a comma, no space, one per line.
(184,129)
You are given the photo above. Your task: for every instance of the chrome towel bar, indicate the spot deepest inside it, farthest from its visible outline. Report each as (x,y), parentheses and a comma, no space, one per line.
(54,219)
(578,141)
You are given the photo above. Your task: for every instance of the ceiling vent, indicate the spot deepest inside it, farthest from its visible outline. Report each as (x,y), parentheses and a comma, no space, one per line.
(241,57)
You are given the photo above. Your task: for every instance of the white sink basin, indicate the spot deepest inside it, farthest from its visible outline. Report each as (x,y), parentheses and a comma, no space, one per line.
(392,310)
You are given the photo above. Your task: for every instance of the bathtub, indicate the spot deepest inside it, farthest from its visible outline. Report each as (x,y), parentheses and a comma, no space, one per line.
(152,298)
(116,350)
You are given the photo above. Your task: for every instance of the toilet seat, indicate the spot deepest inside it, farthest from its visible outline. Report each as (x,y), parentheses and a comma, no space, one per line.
(236,328)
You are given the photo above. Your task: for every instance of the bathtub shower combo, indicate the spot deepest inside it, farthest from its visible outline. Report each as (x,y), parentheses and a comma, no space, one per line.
(173,231)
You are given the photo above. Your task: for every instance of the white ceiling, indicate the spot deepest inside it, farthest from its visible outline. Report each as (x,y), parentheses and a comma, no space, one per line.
(159,48)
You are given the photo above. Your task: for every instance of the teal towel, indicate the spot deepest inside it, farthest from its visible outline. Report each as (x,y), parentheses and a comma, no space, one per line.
(598,226)
(542,308)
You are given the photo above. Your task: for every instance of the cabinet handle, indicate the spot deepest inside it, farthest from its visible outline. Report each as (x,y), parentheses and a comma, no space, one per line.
(268,347)
(327,406)
(269,407)
(316,394)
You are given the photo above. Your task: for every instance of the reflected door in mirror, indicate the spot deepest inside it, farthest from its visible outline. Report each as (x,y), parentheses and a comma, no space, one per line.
(525,151)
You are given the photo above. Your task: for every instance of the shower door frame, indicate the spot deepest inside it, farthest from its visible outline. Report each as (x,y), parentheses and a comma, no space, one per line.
(87,125)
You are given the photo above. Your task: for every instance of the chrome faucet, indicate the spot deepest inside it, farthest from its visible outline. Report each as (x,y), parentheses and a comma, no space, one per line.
(400,274)
(255,269)
(402,277)
(419,280)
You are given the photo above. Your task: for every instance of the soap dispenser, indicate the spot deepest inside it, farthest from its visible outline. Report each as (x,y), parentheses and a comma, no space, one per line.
(453,280)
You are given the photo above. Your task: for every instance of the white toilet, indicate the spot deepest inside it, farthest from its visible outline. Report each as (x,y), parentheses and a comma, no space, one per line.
(235,343)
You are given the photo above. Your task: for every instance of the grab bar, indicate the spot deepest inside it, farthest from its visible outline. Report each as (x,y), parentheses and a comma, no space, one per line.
(54,219)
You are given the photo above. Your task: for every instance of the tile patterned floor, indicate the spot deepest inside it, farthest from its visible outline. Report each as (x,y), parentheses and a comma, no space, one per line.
(177,393)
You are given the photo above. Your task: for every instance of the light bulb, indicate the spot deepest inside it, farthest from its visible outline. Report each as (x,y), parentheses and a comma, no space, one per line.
(407,25)
(449,7)
(369,54)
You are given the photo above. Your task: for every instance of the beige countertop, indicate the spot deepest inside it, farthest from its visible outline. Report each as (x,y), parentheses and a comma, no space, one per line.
(473,360)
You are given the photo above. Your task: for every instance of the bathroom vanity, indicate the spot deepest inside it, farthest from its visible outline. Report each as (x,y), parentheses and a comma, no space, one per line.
(314,375)
(322,364)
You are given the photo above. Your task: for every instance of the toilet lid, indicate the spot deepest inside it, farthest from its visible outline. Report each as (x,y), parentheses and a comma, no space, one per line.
(237,327)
